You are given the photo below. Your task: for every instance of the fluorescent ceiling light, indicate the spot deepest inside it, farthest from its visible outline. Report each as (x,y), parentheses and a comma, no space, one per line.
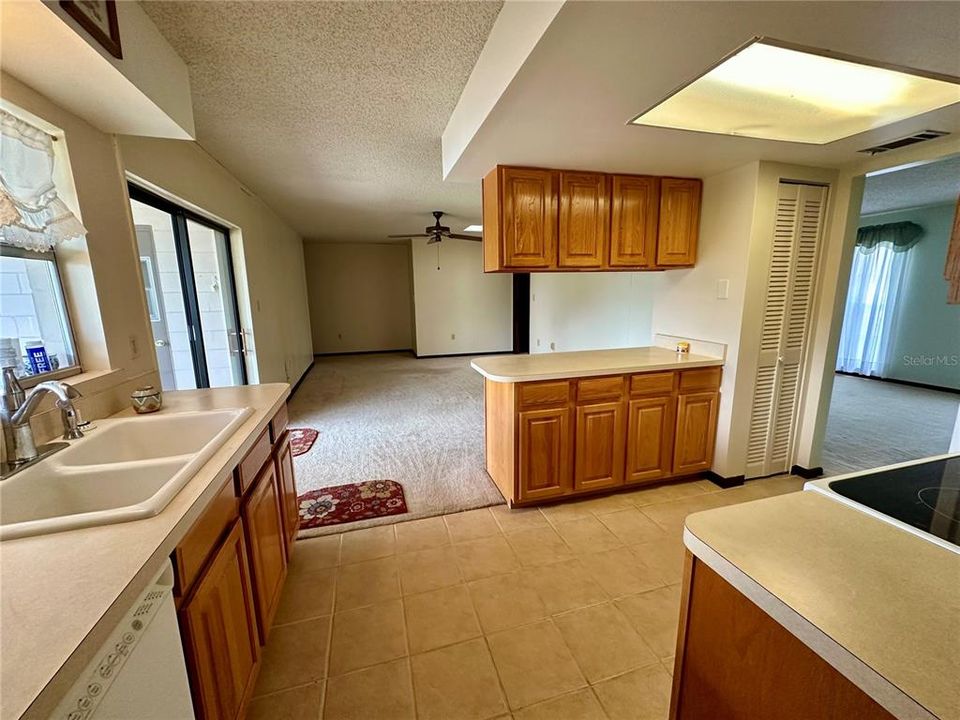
(473,228)
(775,92)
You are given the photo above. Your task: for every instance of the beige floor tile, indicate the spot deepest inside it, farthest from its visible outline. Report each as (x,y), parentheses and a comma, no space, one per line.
(382,691)
(642,694)
(505,601)
(534,663)
(368,544)
(632,526)
(422,534)
(471,525)
(655,615)
(295,655)
(427,570)
(517,518)
(587,535)
(367,636)
(368,582)
(314,554)
(567,511)
(602,641)
(306,596)
(485,557)
(438,618)
(610,503)
(580,705)
(670,515)
(664,556)
(538,546)
(457,682)
(302,703)
(620,572)
(565,586)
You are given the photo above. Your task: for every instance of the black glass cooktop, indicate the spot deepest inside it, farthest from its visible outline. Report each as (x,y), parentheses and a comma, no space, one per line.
(926,495)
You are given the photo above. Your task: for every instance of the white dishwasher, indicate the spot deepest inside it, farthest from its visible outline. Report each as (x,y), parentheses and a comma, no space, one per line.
(139,673)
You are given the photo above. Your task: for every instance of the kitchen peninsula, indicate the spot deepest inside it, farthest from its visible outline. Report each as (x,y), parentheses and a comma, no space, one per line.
(564,424)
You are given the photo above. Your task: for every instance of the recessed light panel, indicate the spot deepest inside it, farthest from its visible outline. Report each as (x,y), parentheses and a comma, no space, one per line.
(473,228)
(769,91)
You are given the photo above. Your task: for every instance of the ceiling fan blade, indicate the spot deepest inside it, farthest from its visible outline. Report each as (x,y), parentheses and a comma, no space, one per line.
(465,237)
(409,235)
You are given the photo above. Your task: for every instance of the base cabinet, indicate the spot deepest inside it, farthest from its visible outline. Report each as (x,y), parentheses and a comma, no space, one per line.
(696,430)
(544,453)
(266,545)
(598,451)
(288,491)
(650,439)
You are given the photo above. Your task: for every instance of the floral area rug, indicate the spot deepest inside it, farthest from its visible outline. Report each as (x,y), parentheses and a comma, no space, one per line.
(349,503)
(302,439)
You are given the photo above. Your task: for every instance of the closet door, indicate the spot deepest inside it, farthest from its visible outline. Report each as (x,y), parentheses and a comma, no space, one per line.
(785,327)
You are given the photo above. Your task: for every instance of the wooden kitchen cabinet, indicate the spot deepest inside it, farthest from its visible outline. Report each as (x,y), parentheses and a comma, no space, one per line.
(219,628)
(634,213)
(696,431)
(266,545)
(679,224)
(598,449)
(544,453)
(520,219)
(283,456)
(584,226)
(650,422)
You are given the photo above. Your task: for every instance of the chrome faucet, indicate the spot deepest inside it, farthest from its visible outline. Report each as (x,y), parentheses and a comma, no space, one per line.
(18,407)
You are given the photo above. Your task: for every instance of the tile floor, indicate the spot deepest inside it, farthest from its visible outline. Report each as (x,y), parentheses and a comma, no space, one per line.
(568,611)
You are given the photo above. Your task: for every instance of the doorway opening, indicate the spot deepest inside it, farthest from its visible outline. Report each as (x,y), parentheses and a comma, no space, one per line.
(896,394)
(187,271)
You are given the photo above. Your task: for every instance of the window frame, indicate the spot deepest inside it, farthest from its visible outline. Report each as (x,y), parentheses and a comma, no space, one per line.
(76,368)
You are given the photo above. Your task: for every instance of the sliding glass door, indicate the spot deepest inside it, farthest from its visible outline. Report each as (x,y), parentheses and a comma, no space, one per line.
(188,281)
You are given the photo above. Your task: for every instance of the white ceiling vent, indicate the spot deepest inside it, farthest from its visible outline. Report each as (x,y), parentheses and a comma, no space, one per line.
(903,142)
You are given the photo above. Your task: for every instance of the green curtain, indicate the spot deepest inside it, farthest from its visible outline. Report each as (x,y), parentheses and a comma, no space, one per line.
(901,235)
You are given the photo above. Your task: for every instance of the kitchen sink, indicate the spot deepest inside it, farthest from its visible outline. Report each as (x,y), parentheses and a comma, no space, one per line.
(125,469)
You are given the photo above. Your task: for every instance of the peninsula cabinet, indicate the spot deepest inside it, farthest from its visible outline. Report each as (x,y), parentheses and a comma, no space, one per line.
(230,568)
(547,440)
(544,220)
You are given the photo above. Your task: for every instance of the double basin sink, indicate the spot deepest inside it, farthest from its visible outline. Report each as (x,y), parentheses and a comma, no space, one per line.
(125,469)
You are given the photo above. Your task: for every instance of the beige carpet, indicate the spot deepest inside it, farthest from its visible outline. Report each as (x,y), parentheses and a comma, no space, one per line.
(392,416)
(874,423)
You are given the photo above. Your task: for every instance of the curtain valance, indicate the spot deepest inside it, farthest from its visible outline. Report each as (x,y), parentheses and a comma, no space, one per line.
(901,235)
(32,216)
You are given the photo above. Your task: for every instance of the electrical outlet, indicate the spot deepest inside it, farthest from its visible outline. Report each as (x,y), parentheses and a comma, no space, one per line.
(258,306)
(453,336)
(538,342)
(553,346)
(339,336)
(134,347)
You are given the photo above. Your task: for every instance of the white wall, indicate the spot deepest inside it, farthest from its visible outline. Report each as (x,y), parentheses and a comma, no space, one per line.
(591,311)
(359,296)
(459,309)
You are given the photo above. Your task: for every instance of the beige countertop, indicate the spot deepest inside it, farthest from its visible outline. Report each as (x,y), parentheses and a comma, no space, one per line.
(879,604)
(62,594)
(586,363)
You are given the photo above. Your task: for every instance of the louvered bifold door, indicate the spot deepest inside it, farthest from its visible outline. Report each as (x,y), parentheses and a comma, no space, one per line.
(785,327)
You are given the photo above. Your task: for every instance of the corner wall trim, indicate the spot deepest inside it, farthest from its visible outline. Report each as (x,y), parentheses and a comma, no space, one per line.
(724,482)
(806,473)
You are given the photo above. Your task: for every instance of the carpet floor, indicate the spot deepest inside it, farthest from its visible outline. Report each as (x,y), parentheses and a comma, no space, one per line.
(395,417)
(874,423)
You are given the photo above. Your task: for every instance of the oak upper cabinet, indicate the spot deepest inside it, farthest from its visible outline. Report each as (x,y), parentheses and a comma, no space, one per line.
(679,223)
(584,227)
(288,491)
(650,438)
(219,628)
(544,453)
(634,213)
(266,544)
(599,446)
(520,219)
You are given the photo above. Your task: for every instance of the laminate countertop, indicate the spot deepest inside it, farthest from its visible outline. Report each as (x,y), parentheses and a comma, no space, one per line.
(586,363)
(879,604)
(63,593)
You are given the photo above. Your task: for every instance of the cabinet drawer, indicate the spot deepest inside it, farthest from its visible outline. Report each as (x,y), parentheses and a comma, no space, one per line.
(201,540)
(701,379)
(538,394)
(601,388)
(659,383)
(250,465)
(279,424)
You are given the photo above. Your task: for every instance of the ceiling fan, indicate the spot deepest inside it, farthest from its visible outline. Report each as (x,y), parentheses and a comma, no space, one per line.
(438,232)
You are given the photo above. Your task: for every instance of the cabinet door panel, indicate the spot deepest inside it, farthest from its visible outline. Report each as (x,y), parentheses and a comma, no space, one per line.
(288,494)
(544,457)
(584,219)
(696,432)
(650,438)
(265,544)
(635,208)
(598,452)
(219,628)
(679,221)
(529,213)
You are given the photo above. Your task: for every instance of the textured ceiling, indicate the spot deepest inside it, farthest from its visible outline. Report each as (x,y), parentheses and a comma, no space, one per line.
(332,111)
(930,184)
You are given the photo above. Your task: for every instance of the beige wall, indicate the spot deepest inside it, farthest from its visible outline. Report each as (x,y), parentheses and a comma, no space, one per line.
(268,253)
(359,296)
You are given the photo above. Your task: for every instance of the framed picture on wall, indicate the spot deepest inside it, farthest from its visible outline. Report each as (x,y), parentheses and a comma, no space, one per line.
(99,18)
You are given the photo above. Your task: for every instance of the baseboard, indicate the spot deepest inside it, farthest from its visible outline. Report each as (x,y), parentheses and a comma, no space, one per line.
(366,352)
(303,376)
(724,482)
(806,473)
(896,381)
(467,354)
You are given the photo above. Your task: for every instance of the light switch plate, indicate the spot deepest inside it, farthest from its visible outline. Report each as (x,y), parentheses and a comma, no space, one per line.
(723,289)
